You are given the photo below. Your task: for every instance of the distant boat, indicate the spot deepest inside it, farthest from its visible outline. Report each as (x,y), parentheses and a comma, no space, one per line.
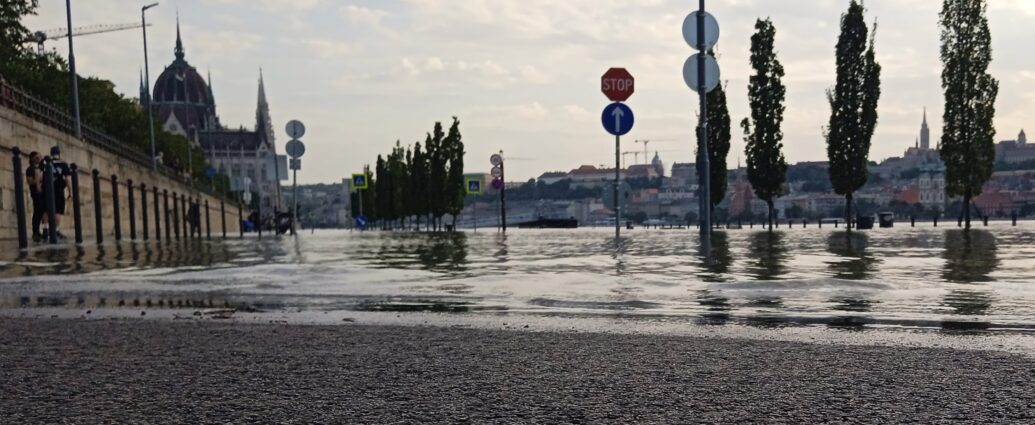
(550,223)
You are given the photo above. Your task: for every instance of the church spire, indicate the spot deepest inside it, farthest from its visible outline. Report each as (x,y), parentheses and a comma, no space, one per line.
(262,90)
(925,117)
(143,90)
(925,133)
(179,41)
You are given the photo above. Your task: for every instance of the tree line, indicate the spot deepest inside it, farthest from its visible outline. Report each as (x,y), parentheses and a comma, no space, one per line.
(411,186)
(967,144)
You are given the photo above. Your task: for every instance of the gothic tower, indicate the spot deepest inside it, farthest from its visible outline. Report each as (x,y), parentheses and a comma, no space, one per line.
(925,133)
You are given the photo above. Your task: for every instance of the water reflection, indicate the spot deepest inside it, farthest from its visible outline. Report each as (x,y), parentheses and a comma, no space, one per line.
(721,259)
(769,254)
(851,261)
(970,256)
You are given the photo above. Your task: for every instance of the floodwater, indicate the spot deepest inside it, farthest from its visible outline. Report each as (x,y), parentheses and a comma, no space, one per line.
(917,278)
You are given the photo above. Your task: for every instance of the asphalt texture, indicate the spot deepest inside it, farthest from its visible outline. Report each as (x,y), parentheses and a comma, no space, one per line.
(118,371)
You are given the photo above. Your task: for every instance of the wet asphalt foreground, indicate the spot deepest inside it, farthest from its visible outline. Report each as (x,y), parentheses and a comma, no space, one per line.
(77,371)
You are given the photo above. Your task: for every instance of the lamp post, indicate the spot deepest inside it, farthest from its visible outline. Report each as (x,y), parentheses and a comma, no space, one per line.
(74,80)
(147,87)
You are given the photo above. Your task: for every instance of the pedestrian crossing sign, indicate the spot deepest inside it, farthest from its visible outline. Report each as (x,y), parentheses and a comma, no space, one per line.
(474,186)
(359,181)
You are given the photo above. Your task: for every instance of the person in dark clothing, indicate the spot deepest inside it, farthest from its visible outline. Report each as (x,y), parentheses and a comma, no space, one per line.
(62,182)
(194,217)
(34,179)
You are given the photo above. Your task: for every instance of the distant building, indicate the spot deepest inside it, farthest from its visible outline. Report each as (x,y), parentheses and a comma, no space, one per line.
(931,185)
(642,171)
(588,176)
(186,106)
(659,167)
(552,177)
(921,152)
(1015,151)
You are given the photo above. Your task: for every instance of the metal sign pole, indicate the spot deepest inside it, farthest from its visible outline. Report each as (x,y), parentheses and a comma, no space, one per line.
(294,200)
(618,203)
(503,196)
(702,138)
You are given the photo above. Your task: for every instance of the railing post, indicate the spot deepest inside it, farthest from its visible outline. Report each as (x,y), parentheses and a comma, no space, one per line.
(77,214)
(132,211)
(116,211)
(19,198)
(222,216)
(185,207)
(240,219)
(98,225)
(165,205)
(208,223)
(176,215)
(48,197)
(158,215)
(143,209)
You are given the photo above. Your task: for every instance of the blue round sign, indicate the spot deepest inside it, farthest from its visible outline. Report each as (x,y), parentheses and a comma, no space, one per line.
(617,119)
(211,172)
(361,222)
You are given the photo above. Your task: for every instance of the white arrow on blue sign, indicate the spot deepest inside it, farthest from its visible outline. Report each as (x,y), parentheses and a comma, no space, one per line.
(617,119)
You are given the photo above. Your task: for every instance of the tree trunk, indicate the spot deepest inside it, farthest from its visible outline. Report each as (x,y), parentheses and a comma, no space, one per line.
(771,208)
(966,211)
(848,212)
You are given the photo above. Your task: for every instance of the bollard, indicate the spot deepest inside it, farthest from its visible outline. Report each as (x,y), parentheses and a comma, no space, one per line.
(240,219)
(208,224)
(165,205)
(804,223)
(912,221)
(132,210)
(222,216)
(176,216)
(751,224)
(985,219)
(48,197)
(187,233)
(77,214)
(835,223)
(116,212)
(820,223)
(258,219)
(98,225)
(935,221)
(143,209)
(1013,218)
(19,198)
(158,215)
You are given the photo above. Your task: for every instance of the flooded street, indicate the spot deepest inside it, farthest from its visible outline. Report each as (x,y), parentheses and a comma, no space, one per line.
(915,278)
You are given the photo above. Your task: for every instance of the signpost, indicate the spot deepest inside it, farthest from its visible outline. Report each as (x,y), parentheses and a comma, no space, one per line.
(497,183)
(295,149)
(474,187)
(617,84)
(359,182)
(701,32)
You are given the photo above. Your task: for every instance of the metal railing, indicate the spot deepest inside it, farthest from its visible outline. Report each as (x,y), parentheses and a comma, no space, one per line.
(18,100)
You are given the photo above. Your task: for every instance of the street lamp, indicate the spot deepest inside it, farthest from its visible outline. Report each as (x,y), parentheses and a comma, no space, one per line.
(147,88)
(74,87)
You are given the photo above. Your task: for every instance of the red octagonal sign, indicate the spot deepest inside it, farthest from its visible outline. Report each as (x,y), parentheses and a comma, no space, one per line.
(617,84)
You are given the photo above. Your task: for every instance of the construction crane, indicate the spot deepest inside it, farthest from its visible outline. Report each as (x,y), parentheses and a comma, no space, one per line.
(39,37)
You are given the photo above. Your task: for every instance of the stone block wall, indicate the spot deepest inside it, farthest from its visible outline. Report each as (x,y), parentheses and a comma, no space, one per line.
(17,130)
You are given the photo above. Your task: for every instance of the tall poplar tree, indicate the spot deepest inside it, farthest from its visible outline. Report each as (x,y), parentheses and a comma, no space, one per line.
(437,156)
(419,183)
(718,143)
(967,145)
(766,166)
(853,105)
(455,187)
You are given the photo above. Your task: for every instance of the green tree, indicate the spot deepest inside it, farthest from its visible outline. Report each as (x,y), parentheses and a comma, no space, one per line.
(419,174)
(718,143)
(455,186)
(853,104)
(766,166)
(437,157)
(967,145)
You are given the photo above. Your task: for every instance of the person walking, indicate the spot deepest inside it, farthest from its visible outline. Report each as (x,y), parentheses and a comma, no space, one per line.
(61,187)
(34,179)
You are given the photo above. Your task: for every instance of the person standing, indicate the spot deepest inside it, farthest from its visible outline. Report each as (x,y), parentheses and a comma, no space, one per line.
(34,179)
(62,184)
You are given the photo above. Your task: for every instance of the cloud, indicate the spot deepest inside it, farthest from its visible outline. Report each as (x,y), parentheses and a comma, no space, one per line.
(362,15)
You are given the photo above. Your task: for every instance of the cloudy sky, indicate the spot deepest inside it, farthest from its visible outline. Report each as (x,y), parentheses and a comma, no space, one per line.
(524,76)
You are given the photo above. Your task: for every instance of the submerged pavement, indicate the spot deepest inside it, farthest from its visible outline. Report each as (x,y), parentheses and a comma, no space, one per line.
(159,371)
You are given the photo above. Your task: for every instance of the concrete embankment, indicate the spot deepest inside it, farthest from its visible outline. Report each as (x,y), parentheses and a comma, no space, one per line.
(20,131)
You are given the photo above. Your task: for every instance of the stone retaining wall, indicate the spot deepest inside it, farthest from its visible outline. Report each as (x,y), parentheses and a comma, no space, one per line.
(17,130)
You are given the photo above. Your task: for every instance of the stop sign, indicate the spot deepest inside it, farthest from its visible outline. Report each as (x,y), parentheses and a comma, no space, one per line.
(617,84)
